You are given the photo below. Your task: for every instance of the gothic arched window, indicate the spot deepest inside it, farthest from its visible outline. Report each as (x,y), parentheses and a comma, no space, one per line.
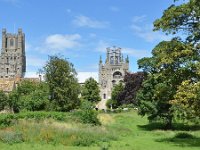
(11,42)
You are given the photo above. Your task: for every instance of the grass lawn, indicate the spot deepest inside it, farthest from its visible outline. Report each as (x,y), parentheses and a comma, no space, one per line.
(120,131)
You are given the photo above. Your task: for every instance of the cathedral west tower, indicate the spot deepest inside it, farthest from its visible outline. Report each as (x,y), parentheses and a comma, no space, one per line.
(13,58)
(111,73)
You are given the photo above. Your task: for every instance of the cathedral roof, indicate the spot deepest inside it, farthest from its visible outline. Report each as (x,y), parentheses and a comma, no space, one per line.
(7,85)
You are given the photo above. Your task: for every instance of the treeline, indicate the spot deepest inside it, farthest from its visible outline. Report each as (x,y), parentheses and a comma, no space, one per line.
(60,92)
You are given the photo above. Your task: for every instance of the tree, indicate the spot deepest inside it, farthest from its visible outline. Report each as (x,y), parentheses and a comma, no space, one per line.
(117,89)
(3,100)
(132,83)
(186,102)
(63,85)
(31,96)
(172,63)
(90,90)
(184,17)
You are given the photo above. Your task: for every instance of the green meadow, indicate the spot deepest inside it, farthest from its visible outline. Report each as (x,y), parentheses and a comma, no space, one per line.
(118,131)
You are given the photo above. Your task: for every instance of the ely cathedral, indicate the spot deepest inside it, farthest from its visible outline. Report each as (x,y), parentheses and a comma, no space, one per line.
(13,58)
(13,66)
(111,73)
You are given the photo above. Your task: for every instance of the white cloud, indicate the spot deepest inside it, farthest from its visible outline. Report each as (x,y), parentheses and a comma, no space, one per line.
(58,43)
(35,61)
(82,76)
(114,8)
(69,10)
(30,74)
(137,19)
(146,32)
(84,21)
(101,46)
(92,35)
(136,52)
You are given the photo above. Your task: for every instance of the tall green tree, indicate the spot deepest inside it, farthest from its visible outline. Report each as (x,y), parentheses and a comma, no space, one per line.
(90,90)
(116,91)
(186,102)
(173,62)
(63,85)
(3,100)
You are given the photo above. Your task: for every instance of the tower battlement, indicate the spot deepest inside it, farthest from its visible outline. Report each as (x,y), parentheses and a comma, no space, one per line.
(112,72)
(12,57)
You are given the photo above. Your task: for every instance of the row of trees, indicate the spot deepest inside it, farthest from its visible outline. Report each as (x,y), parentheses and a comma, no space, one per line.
(59,92)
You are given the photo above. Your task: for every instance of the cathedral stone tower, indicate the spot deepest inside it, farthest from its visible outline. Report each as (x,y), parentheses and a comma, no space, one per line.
(112,72)
(12,58)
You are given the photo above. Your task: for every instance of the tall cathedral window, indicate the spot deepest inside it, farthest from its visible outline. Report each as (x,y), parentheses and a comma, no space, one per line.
(104,96)
(11,42)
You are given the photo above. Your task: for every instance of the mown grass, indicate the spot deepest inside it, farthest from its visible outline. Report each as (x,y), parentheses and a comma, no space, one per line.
(120,131)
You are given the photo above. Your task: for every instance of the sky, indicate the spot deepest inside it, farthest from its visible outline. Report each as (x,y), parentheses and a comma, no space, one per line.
(81,30)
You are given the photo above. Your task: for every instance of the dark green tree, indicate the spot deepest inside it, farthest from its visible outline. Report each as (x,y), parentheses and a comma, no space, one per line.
(171,63)
(117,90)
(90,91)
(63,85)
(3,100)
(31,96)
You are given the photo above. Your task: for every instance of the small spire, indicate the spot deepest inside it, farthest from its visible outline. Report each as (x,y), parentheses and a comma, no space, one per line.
(122,59)
(127,59)
(100,60)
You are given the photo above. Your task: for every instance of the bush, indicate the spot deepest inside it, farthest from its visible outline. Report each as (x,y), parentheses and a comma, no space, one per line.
(11,137)
(110,103)
(183,135)
(8,119)
(87,114)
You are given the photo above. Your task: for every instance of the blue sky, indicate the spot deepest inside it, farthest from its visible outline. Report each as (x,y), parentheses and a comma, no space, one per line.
(80,30)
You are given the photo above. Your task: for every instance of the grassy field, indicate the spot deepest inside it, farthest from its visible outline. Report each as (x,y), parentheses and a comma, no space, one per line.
(120,131)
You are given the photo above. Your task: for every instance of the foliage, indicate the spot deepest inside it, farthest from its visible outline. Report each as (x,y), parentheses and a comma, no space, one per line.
(111,103)
(63,85)
(186,103)
(87,114)
(8,119)
(117,89)
(183,17)
(132,83)
(90,90)
(3,100)
(172,62)
(31,96)
(124,130)
(11,137)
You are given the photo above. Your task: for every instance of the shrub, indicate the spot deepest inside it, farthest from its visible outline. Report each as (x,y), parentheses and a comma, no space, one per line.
(11,137)
(87,114)
(7,119)
(183,135)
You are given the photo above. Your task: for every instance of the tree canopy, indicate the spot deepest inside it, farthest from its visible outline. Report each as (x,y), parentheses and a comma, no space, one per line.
(90,90)
(172,64)
(63,85)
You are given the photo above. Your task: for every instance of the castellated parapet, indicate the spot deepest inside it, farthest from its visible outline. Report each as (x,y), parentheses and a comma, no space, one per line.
(13,58)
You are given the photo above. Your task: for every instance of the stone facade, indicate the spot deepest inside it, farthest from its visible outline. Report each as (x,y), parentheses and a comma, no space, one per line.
(12,58)
(111,73)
